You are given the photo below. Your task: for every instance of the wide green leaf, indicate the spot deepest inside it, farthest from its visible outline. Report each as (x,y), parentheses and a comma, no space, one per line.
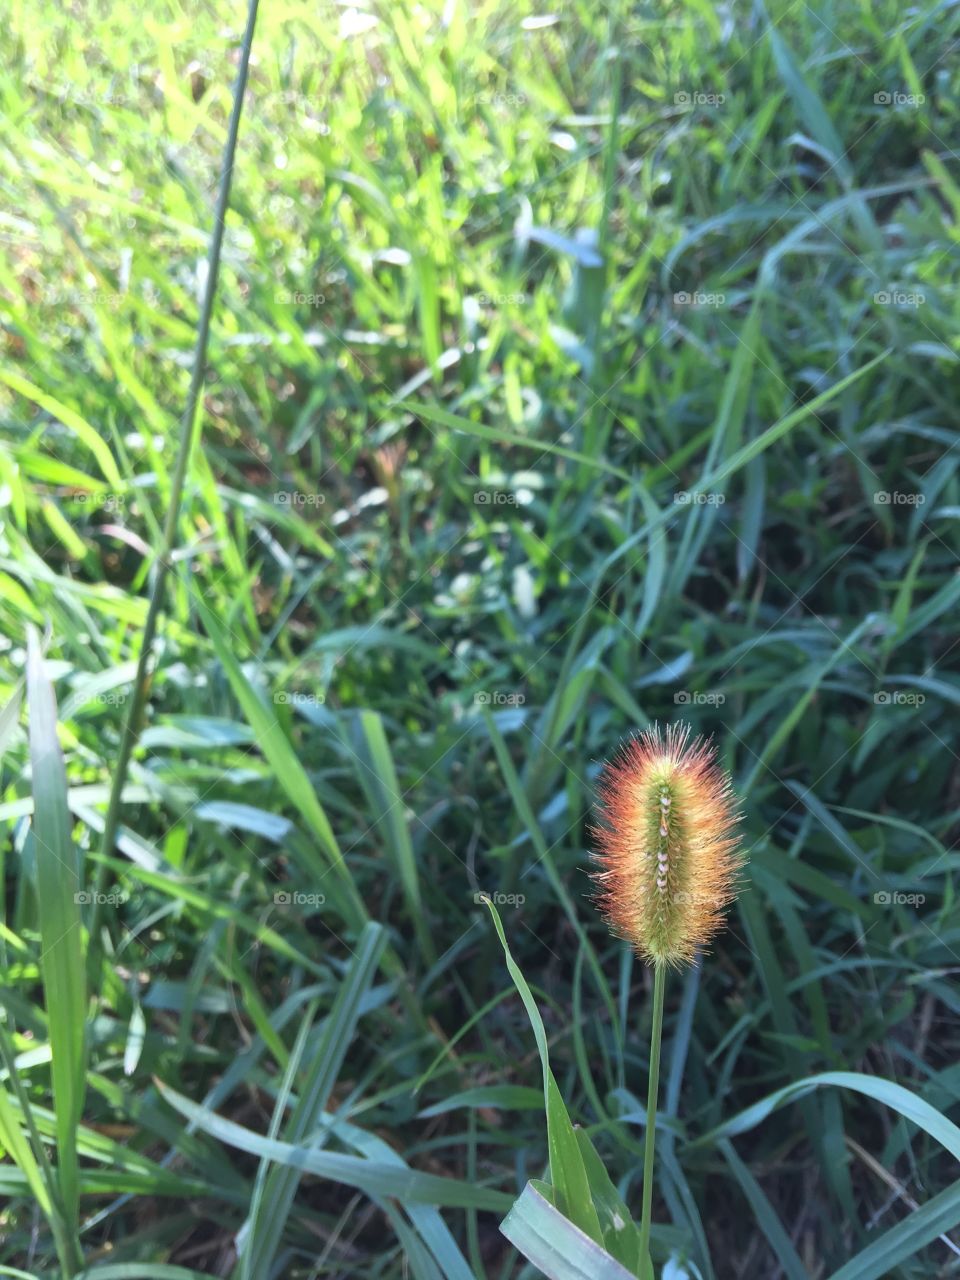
(555,1245)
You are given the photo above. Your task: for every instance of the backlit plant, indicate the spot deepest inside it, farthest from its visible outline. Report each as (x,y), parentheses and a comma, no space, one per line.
(669,866)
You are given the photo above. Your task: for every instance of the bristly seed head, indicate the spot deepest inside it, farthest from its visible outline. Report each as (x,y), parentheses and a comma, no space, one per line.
(669,858)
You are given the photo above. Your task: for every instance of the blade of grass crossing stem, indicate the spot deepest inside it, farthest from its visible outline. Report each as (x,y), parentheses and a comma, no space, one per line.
(726,430)
(289,772)
(19,1150)
(254,1235)
(745,454)
(792,718)
(378,777)
(926,1224)
(29,1156)
(372,1177)
(61,930)
(188,432)
(428,1221)
(567,1171)
(266,1228)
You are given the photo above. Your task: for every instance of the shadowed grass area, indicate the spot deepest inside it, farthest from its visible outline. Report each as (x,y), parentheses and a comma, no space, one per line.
(568,371)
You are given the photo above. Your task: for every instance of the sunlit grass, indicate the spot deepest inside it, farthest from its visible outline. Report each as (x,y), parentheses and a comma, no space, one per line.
(475,499)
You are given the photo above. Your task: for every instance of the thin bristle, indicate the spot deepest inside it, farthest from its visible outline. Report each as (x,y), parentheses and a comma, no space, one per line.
(668,850)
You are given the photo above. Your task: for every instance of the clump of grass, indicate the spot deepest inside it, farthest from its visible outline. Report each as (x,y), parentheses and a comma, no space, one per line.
(675,300)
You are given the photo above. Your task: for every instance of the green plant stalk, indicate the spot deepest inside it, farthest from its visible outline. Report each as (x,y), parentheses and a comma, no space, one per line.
(188,431)
(650,1133)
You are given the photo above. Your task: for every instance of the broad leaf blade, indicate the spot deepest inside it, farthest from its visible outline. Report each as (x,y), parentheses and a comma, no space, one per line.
(557,1248)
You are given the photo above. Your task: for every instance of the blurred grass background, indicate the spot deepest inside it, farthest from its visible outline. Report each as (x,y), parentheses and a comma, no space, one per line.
(570,369)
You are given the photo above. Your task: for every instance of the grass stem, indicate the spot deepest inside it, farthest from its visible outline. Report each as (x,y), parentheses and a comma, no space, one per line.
(188,429)
(650,1133)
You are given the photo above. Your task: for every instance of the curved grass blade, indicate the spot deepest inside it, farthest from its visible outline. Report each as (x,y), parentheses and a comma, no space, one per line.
(567,1171)
(892,1095)
(373,1177)
(907,1238)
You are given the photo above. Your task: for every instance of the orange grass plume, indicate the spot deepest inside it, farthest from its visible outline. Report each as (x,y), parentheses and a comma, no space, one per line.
(668,848)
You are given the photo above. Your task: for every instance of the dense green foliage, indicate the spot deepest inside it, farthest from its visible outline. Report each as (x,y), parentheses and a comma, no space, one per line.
(568,371)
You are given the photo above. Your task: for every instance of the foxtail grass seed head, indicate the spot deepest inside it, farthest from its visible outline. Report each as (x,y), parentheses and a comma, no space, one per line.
(668,849)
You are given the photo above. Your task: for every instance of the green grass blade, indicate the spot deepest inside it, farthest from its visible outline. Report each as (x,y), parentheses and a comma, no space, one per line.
(61,928)
(378,777)
(556,1247)
(924,1225)
(374,1177)
(270,1211)
(567,1171)
(455,422)
(289,772)
(894,1096)
(763,1211)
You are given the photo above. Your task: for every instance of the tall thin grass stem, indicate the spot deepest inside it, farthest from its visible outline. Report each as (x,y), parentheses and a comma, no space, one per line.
(650,1133)
(188,431)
